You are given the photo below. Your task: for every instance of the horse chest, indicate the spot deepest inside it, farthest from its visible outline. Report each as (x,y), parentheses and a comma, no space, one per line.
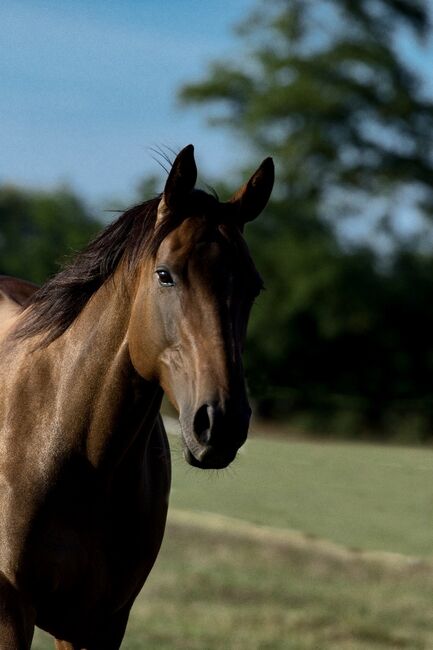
(89,539)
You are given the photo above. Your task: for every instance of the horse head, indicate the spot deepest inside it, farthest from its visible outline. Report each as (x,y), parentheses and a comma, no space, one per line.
(191,307)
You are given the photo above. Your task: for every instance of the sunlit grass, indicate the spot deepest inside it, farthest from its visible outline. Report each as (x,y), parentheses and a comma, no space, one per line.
(363,496)
(213,589)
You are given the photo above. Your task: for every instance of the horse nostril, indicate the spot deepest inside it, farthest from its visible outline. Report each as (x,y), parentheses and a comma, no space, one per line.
(203,424)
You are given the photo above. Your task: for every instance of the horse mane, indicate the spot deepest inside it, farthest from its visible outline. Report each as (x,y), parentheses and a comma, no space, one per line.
(54,307)
(134,235)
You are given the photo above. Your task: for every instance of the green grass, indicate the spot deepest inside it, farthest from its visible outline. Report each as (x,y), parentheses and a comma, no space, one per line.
(363,496)
(214,591)
(224,588)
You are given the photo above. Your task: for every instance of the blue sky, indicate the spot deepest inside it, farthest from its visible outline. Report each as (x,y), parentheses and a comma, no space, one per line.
(89,86)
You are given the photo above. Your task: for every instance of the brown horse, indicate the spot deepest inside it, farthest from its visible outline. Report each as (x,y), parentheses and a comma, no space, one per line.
(14,294)
(19,291)
(158,302)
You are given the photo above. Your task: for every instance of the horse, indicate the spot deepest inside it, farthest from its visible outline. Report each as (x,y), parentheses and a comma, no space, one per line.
(17,290)
(14,294)
(157,303)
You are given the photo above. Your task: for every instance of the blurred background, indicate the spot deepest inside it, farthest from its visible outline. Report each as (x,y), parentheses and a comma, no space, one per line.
(321,535)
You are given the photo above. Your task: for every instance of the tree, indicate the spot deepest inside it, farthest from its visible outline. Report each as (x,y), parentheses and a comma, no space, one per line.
(37,229)
(322,88)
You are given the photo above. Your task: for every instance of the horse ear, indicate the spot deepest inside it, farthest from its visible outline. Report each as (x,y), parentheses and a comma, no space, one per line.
(180,181)
(252,197)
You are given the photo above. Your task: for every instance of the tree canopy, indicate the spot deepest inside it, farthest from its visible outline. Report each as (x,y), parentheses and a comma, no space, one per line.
(325,89)
(38,229)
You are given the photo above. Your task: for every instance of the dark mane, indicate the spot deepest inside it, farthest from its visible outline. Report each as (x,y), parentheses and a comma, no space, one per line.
(55,306)
(58,302)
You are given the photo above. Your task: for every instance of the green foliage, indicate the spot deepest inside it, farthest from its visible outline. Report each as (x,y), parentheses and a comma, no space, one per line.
(340,335)
(323,88)
(37,229)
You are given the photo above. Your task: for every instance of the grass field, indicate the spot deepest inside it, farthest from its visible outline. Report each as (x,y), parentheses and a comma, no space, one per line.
(362,496)
(220,584)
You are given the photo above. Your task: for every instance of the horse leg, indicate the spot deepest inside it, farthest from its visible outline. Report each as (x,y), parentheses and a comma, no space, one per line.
(17,618)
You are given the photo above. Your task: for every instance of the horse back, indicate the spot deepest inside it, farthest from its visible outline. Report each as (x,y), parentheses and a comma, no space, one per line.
(8,310)
(14,296)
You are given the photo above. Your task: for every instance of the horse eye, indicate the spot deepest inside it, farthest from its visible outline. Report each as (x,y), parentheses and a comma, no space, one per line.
(164,277)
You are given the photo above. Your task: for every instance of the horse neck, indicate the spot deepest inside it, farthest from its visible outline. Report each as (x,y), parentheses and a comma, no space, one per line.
(101,401)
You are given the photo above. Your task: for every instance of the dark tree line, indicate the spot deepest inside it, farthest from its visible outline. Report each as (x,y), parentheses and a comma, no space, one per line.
(38,229)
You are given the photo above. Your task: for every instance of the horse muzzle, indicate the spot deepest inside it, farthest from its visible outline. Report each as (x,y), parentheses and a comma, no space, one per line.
(213,436)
